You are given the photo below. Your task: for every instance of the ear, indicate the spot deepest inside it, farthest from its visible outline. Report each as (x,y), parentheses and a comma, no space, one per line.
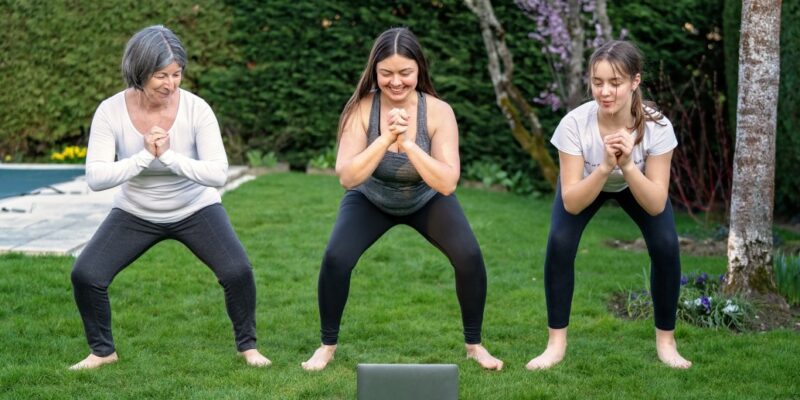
(636,81)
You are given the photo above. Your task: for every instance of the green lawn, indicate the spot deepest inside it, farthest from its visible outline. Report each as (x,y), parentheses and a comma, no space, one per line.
(175,341)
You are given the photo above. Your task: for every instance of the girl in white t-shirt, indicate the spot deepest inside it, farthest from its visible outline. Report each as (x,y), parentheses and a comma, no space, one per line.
(613,147)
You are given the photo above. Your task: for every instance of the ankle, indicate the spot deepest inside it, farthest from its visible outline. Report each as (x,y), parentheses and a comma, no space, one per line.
(665,337)
(327,348)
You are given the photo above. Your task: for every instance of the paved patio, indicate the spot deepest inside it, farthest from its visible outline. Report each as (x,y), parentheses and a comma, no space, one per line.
(60,220)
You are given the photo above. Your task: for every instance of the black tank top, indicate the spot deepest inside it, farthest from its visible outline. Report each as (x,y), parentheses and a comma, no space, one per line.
(395,186)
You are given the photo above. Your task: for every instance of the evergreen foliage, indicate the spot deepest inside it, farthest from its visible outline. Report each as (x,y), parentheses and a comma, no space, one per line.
(59,59)
(277,73)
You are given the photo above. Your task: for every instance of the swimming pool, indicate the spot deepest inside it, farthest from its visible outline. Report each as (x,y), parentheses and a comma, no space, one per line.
(21,179)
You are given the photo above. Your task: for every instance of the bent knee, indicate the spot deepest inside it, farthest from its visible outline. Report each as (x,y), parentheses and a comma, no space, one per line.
(337,262)
(662,244)
(82,276)
(561,239)
(236,273)
(468,259)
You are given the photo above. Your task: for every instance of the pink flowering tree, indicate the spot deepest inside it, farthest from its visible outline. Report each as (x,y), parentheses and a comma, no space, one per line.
(567,30)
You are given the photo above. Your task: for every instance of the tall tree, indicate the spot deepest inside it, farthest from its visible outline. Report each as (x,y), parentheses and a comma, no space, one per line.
(515,107)
(750,237)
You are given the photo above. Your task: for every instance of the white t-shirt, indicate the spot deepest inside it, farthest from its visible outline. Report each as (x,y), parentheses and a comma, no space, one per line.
(165,189)
(578,134)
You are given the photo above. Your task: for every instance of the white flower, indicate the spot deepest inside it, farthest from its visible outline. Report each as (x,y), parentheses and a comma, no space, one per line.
(730,308)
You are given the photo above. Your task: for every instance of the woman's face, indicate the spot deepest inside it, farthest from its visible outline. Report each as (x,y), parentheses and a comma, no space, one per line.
(612,90)
(397,77)
(163,83)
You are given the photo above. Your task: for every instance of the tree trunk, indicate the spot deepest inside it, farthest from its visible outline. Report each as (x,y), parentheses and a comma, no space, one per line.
(750,237)
(575,68)
(602,19)
(510,100)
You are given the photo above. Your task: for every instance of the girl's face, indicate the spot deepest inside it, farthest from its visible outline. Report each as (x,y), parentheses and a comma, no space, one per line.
(397,77)
(163,83)
(612,90)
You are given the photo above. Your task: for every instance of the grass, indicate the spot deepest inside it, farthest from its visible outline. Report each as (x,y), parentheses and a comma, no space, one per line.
(175,341)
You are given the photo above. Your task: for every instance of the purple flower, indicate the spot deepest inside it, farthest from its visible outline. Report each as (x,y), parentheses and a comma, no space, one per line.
(722,278)
(701,279)
(684,280)
(551,31)
(706,303)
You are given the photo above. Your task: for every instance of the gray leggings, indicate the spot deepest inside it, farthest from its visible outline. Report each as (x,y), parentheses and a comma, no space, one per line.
(123,237)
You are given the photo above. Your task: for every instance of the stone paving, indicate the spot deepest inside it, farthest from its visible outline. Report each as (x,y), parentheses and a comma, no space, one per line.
(60,219)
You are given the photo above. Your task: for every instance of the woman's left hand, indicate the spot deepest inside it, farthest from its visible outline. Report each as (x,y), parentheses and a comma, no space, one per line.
(622,142)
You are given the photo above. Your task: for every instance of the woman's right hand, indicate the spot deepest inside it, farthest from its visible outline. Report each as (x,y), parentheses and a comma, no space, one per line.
(398,123)
(610,156)
(156,135)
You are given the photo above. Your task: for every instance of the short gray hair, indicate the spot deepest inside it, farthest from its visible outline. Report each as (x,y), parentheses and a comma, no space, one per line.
(149,50)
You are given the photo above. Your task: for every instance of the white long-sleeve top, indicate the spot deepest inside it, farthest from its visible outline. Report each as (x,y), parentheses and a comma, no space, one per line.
(165,189)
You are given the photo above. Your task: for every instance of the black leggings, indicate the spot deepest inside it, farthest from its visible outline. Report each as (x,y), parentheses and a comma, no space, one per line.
(562,244)
(123,237)
(359,224)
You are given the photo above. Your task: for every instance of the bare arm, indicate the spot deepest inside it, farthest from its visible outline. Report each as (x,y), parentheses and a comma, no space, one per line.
(651,188)
(355,161)
(442,168)
(578,192)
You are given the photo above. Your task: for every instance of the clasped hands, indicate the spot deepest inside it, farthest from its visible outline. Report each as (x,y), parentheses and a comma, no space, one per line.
(156,141)
(618,149)
(398,127)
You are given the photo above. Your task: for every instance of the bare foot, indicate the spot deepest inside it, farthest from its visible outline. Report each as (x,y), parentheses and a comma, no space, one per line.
(255,359)
(322,356)
(667,350)
(554,353)
(93,361)
(482,356)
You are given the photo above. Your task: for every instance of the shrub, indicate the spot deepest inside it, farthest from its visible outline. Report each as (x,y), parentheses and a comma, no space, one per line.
(787,277)
(487,173)
(70,154)
(324,160)
(257,158)
(701,303)
(56,66)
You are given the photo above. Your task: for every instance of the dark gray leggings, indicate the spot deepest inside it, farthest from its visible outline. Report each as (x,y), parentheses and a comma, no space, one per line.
(359,224)
(123,237)
(562,245)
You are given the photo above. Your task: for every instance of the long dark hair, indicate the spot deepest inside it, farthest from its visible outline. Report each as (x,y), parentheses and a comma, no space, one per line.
(626,59)
(398,41)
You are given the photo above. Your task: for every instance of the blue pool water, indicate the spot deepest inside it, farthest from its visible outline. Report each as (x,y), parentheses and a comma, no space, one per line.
(19,179)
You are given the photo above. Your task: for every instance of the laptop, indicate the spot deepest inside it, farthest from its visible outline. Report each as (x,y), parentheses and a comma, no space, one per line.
(407,381)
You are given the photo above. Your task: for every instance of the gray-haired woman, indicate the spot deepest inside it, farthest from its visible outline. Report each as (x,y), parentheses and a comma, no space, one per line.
(163,146)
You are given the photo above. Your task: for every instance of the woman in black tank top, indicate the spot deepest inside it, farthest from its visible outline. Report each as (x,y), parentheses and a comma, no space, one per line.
(398,159)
